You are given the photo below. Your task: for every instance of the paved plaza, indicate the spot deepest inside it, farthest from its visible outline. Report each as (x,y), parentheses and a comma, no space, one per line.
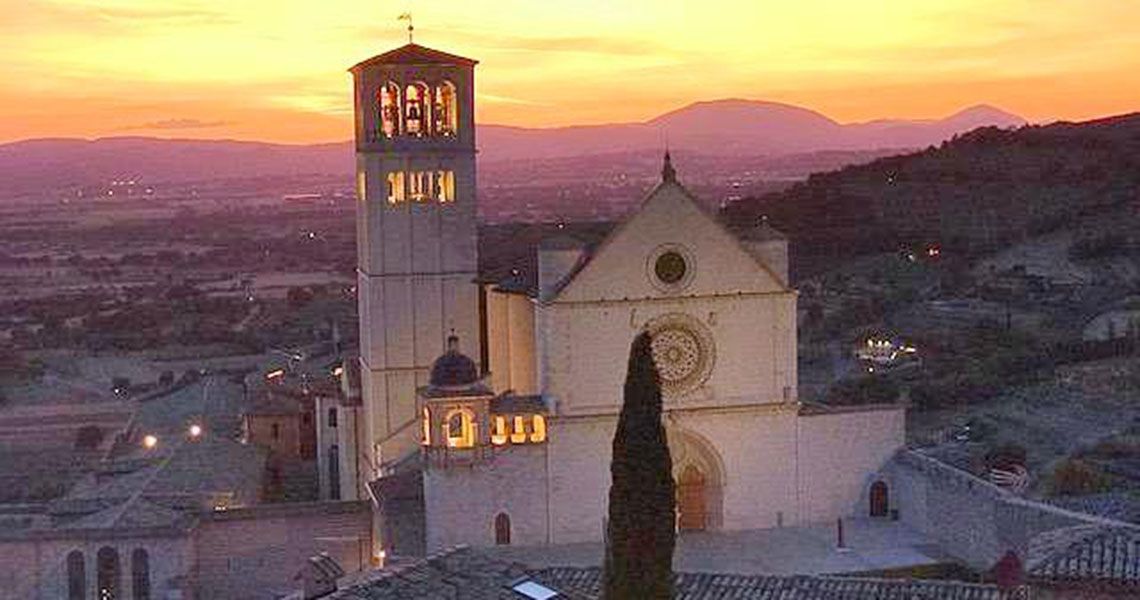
(870,545)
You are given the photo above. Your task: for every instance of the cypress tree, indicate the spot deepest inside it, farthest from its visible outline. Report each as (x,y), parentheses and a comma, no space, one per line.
(640,532)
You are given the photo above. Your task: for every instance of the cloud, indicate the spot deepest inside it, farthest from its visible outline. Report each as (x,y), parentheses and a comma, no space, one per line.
(178,124)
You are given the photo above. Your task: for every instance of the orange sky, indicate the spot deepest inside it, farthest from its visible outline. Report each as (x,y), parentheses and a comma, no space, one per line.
(275,69)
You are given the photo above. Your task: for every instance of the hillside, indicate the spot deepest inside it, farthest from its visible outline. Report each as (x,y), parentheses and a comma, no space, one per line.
(725,130)
(983,190)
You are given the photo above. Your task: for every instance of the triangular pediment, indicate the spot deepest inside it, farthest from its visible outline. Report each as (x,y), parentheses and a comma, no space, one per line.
(670,221)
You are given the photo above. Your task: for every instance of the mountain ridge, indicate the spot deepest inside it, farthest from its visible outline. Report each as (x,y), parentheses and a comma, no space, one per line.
(734,126)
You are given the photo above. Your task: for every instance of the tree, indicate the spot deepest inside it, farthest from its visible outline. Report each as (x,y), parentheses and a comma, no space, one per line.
(640,533)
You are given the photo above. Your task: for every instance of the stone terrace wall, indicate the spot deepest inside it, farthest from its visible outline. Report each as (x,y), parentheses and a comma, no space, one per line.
(970,518)
(255,552)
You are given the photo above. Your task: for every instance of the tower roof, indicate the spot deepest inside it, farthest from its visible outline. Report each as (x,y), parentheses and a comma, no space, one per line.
(415,54)
(453,369)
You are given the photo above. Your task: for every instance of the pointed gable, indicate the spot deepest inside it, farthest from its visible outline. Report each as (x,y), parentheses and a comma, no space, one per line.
(628,264)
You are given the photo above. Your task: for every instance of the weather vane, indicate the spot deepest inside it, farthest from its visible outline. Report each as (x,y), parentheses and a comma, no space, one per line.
(407,17)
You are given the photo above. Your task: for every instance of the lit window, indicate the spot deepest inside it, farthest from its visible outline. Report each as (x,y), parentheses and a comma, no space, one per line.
(518,436)
(389,100)
(499,436)
(445,186)
(538,435)
(459,428)
(395,187)
(417,109)
(426,427)
(361,180)
(420,186)
(446,109)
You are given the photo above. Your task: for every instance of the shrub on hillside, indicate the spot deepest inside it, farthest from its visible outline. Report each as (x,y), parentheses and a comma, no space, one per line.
(1073,477)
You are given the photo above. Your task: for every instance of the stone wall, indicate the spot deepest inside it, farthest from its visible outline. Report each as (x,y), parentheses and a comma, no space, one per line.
(971,519)
(461,500)
(36,568)
(255,552)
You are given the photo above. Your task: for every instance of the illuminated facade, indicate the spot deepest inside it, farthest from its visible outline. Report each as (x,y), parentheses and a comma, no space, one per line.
(416,233)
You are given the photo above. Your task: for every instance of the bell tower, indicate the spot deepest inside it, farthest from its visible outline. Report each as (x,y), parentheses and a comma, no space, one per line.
(415,233)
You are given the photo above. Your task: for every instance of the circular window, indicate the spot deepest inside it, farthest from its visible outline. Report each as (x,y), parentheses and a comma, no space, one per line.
(683,352)
(670,267)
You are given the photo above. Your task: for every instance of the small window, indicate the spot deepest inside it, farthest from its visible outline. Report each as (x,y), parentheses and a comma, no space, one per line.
(76,576)
(518,434)
(395,182)
(446,110)
(332,417)
(426,427)
(140,574)
(459,429)
(389,97)
(499,435)
(502,529)
(275,431)
(538,435)
(107,574)
(417,109)
(670,267)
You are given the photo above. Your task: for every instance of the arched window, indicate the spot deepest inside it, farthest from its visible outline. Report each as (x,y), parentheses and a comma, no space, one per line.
(334,471)
(499,433)
(538,434)
(518,432)
(107,582)
(76,576)
(445,186)
(502,529)
(426,428)
(459,428)
(417,109)
(880,501)
(446,110)
(388,98)
(140,574)
(395,187)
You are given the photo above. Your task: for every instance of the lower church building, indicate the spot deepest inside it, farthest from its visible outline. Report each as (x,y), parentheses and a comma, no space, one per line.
(515,447)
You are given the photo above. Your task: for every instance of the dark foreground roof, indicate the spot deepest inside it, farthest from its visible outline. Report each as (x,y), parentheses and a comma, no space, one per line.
(470,574)
(1089,554)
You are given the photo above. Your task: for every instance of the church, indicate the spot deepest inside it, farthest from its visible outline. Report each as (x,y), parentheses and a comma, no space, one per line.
(487,414)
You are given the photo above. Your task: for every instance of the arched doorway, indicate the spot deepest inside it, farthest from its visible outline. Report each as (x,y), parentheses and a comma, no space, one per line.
(880,499)
(502,529)
(699,477)
(692,512)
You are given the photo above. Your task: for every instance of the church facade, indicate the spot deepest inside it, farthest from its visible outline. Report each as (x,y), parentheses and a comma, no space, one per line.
(498,408)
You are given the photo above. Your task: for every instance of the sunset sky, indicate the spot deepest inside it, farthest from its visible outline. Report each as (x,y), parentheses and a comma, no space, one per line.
(275,69)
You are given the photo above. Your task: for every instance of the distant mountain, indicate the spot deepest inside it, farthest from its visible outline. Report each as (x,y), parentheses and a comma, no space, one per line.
(734,127)
(718,128)
(985,190)
(69,163)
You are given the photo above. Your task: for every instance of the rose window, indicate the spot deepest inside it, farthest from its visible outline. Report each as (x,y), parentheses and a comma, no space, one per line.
(682,351)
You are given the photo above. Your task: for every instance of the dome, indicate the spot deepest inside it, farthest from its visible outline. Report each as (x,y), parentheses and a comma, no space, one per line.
(453,369)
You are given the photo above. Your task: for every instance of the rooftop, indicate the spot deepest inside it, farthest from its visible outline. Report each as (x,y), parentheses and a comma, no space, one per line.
(478,574)
(415,54)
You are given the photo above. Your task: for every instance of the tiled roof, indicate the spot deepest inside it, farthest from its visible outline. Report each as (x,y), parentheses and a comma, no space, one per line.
(511,404)
(710,586)
(470,574)
(1086,553)
(415,54)
(462,574)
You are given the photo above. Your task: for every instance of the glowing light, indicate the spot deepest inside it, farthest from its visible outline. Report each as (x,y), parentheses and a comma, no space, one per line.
(195,430)
(337,372)
(275,374)
(150,441)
